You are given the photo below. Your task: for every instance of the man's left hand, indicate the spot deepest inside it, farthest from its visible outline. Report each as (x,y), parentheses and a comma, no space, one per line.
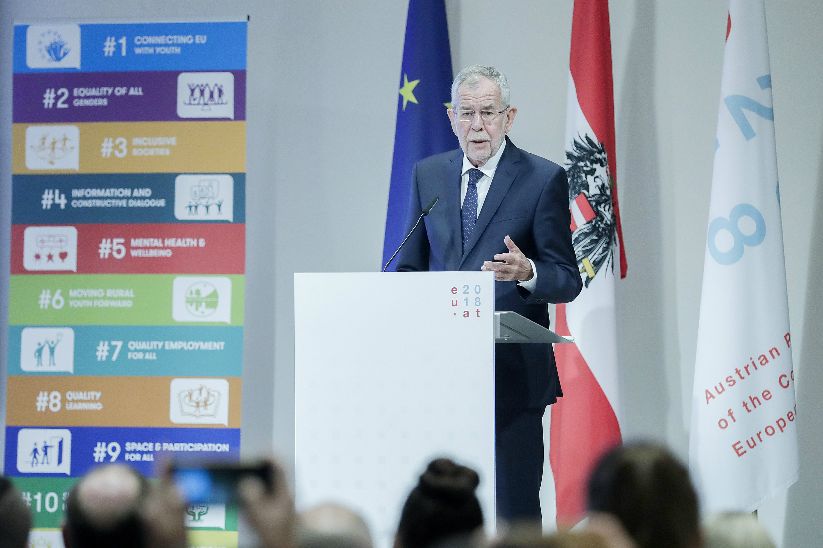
(510,267)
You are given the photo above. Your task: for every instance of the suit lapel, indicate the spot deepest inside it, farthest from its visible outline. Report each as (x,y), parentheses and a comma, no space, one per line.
(452,204)
(504,176)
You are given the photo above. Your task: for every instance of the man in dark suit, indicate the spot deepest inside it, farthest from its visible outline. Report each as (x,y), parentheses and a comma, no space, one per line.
(504,210)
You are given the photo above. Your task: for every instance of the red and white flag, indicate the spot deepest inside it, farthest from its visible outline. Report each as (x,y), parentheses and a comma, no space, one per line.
(584,421)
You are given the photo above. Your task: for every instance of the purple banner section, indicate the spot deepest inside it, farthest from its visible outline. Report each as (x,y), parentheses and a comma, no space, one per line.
(74,451)
(129,96)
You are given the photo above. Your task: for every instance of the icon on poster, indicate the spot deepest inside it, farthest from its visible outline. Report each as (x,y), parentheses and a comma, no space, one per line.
(50,248)
(44,451)
(205,95)
(53,147)
(204,197)
(45,538)
(199,401)
(53,46)
(206,515)
(47,349)
(201,299)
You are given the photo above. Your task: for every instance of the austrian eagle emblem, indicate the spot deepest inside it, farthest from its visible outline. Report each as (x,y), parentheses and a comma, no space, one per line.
(593,226)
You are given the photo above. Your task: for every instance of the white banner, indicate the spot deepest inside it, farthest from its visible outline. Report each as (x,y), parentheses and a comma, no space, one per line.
(743,431)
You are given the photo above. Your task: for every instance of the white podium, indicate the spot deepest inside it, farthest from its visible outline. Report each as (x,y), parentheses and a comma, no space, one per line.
(391,371)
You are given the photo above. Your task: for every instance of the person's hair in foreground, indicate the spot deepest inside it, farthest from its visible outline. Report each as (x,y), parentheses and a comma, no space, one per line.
(332,525)
(560,539)
(735,530)
(597,531)
(114,505)
(649,491)
(15,516)
(103,509)
(441,506)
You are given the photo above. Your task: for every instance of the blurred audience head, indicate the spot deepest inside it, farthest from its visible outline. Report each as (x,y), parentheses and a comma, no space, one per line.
(332,525)
(15,516)
(648,490)
(442,507)
(530,538)
(114,505)
(735,530)
(597,531)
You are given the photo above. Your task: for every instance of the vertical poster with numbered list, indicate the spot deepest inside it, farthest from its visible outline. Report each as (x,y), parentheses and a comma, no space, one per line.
(127,256)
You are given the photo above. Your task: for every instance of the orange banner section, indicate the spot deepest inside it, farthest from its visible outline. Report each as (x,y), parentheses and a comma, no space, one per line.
(124,401)
(135,147)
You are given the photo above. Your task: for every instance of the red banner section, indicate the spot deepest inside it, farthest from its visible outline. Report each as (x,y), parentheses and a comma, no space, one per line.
(129,249)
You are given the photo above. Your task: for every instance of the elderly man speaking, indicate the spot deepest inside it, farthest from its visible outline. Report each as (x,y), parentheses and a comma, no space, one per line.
(504,210)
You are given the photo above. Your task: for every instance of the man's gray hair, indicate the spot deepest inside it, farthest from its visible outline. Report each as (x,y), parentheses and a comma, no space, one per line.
(472,74)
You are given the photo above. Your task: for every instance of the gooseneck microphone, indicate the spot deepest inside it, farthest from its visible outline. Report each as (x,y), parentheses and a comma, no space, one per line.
(425,211)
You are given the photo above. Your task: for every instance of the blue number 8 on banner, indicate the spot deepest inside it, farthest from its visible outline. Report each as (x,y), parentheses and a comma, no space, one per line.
(731,225)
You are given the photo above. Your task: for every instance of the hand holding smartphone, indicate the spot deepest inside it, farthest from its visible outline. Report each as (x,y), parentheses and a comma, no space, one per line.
(216,482)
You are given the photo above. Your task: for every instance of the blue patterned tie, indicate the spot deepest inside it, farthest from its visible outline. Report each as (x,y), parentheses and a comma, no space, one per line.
(469,212)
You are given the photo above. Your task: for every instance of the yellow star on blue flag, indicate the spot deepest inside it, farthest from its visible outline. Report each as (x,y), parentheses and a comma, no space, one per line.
(423,130)
(407,91)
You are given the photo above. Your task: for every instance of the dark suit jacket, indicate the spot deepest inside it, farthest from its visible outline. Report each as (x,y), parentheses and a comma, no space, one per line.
(528,200)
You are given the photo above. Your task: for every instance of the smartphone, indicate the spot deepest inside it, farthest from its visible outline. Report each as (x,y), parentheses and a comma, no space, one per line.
(216,482)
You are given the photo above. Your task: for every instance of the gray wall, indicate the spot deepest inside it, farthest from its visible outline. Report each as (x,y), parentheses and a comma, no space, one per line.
(321,108)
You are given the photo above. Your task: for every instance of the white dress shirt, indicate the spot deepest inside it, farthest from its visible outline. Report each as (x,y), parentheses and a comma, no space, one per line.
(483,186)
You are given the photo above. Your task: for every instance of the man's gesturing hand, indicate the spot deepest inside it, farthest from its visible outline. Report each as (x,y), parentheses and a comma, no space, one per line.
(512,266)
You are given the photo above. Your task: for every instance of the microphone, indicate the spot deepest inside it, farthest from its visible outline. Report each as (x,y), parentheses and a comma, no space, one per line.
(425,211)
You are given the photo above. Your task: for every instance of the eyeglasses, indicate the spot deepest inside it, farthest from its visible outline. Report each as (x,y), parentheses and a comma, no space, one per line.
(486,116)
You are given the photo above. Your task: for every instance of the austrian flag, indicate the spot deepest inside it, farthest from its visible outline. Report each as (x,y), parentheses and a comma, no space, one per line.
(582,211)
(584,422)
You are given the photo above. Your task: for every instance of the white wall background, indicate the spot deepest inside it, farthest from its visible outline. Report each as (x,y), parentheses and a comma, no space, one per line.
(322,88)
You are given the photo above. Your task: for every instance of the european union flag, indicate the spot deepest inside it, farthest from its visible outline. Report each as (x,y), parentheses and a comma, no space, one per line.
(422,125)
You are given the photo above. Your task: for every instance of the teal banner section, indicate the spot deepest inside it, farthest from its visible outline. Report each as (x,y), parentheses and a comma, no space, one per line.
(212,351)
(136,197)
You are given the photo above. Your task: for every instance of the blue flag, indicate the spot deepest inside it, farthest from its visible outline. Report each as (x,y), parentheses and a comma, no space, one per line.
(422,125)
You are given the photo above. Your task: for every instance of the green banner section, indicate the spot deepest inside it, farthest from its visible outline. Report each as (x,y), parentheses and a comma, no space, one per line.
(46,496)
(126,299)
